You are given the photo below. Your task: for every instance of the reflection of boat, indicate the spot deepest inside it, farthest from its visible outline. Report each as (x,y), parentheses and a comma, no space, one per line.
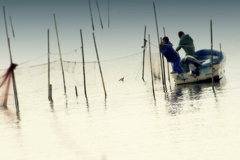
(205,69)
(189,97)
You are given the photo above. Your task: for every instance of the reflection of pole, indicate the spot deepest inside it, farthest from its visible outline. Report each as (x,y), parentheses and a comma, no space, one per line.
(10,53)
(90,8)
(84,76)
(161,58)
(99,65)
(169,80)
(150,55)
(60,54)
(10,18)
(211,49)
(144,47)
(100,18)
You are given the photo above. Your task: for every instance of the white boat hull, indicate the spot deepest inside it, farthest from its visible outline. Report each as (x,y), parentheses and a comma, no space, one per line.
(205,75)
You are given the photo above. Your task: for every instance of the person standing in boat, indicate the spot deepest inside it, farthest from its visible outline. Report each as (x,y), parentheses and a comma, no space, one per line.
(170,54)
(186,43)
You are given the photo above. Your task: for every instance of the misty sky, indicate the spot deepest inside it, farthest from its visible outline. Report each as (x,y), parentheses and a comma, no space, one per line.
(32,18)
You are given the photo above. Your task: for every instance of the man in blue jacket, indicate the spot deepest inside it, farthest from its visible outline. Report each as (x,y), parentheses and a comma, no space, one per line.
(170,54)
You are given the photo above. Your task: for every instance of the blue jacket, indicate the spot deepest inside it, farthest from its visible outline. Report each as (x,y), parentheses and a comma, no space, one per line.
(170,54)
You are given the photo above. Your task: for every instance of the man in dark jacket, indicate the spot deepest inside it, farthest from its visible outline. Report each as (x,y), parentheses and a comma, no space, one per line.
(186,42)
(170,54)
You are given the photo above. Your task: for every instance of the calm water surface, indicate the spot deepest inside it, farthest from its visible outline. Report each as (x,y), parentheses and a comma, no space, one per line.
(189,122)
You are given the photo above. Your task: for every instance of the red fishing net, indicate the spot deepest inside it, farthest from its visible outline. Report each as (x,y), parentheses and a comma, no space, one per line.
(5,83)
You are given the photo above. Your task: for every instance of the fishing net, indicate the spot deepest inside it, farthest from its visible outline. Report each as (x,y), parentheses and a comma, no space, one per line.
(32,79)
(5,84)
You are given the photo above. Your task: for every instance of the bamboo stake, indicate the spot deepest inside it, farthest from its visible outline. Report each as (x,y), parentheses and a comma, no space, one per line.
(49,85)
(158,37)
(76,91)
(164,75)
(100,18)
(48,62)
(99,65)
(164,86)
(10,18)
(6,27)
(211,34)
(90,8)
(108,13)
(150,55)
(83,60)
(169,80)
(220,46)
(164,32)
(11,61)
(50,93)
(144,48)
(60,54)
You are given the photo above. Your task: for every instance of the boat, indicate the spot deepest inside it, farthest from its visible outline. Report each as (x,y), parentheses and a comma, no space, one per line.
(205,68)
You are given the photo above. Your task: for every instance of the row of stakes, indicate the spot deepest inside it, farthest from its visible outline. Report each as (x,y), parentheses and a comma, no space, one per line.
(162,64)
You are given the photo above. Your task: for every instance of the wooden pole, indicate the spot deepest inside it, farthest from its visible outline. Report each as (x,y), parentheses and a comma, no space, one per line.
(164,75)
(83,60)
(99,65)
(6,27)
(211,34)
(169,80)
(220,46)
(60,54)
(49,85)
(100,18)
(158,37)
(163,63)
(108,13)
(164,32)
(10,18)
(150,56)
(48,62)
(11,61)
(50,93)
(76,91)
(90,8)
(144,48)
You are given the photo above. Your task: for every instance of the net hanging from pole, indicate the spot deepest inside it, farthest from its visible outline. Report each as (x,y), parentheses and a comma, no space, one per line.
(5,85)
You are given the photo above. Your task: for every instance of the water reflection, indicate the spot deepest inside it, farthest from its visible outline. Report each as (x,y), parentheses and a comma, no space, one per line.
(66,101)
(18,116)
(105,103)
(87,104)
(52,106)
(190,95)
(8,112)
(10,116)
